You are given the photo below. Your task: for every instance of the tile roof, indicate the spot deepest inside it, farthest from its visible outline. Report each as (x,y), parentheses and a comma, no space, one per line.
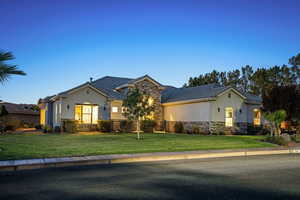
(108,85)
(172,94)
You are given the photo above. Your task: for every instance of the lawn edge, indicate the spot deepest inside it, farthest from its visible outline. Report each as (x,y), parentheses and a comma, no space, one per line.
(17,165)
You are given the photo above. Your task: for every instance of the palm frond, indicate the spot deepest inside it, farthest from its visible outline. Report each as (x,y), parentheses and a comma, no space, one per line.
(7,70)
(4,56)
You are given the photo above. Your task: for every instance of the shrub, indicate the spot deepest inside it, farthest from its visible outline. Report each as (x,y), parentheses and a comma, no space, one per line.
(179,127)
(295,138)
(148,126)
(69,126)
(57,129)
(126,126)
(38,127)
(25,126)
(195,130)
(276,140)
(105,125)
(47,129)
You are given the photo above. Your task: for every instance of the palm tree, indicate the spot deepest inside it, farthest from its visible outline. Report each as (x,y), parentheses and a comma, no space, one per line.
(7,70)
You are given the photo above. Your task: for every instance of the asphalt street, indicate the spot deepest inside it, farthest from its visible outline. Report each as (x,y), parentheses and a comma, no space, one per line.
(257,177)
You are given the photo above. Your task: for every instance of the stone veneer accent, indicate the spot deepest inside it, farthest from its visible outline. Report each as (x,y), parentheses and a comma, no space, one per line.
(215,127)
(155,92)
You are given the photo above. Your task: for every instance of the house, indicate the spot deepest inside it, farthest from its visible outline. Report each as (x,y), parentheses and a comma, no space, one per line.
(23,113)
(211,107)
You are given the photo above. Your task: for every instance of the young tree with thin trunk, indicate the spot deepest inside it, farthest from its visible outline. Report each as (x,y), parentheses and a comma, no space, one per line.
(137,107)
(6,70)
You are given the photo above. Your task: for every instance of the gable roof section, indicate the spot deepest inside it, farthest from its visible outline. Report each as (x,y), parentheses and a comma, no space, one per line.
(87,84)
(203,92)
(133,81)
(108,84)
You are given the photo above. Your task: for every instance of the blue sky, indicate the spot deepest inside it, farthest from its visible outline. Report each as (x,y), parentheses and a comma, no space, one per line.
(61,43)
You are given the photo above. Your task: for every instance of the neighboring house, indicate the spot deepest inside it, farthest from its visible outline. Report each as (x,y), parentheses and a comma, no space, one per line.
(210,107)
(25,113)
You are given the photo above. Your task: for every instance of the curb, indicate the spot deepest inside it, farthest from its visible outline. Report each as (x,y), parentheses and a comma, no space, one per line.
(18,165)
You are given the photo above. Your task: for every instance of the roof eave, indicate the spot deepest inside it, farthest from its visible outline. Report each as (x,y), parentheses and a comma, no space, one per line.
(189,101)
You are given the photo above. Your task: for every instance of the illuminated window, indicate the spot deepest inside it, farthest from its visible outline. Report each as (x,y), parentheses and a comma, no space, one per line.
(150,101)
(86,114)
(114,109)
(228,117)
(256,117)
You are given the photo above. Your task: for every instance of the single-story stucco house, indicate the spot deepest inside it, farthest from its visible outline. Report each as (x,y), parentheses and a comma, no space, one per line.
(211,107)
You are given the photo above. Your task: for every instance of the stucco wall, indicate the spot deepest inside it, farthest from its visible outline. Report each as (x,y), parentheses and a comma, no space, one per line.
(188,112)
(82,96)
(223,101)
(119,114)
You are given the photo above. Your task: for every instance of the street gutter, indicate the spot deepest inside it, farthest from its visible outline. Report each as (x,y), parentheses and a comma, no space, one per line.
(17,165)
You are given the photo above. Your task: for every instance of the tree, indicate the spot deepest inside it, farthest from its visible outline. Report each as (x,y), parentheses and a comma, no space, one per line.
(246,82)
(3,113)
(295,60)
(137,107)
(283,97)
(275,119)
(7,70)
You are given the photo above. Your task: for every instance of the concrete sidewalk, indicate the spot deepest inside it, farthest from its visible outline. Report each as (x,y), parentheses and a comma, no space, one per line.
(16,165)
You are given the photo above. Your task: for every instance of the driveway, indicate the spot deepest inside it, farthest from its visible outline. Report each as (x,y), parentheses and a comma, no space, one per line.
(258,177)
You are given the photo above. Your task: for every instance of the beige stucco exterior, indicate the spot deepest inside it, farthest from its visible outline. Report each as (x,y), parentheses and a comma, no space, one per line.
(117,115)
(188,112)
(64,108)
(212,109)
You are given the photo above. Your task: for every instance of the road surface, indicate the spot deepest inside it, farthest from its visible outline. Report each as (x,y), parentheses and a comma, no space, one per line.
(257,177)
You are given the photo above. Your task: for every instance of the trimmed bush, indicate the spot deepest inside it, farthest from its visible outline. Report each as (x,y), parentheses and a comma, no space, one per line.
(126,126)
(69,126)
(148,126)
(47,129)
(179,127)
(276,140)
(195,130)
(38,127)
(105,125)
(57,129)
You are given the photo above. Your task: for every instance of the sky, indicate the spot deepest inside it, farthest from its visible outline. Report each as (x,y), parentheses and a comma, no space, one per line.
(62,43)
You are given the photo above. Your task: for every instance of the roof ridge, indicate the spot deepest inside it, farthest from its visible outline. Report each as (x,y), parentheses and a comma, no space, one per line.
(111,77)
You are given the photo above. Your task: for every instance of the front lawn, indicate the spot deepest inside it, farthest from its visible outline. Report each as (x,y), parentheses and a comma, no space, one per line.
(25,146)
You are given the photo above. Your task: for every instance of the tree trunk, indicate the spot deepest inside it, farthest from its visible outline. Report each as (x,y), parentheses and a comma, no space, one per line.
(138,128)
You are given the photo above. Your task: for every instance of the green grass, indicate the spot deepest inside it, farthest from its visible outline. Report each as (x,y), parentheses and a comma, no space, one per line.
(25,146)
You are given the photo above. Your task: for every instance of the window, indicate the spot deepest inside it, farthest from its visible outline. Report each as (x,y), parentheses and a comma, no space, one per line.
(228,117)
(150,101)
(86,114)
(256,117)
(114,109)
